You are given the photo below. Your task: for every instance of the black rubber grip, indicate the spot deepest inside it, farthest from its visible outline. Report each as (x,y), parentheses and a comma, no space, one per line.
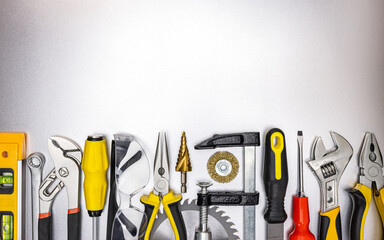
(148,212)
(324,225)
(179,221)
(275,188)
(74,226)
(45,228)
(230,140)
(228,199)
(358,207)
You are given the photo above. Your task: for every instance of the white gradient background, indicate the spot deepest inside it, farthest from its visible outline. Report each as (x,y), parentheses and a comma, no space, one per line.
(74,68)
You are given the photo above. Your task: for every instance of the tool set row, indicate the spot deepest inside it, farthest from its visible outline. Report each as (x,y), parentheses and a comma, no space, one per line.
(199,219)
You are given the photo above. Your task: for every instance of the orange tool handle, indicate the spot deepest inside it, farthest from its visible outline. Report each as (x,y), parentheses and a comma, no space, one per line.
(301,220)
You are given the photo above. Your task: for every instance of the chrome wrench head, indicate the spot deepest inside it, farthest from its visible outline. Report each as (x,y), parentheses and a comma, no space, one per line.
(328,167)
(66,155)
(35,163)
(47,196)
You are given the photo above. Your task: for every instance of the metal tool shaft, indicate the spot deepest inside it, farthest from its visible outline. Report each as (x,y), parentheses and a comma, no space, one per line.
(203,233)
(35,162)
(94,228)
(249,186)
(300,181)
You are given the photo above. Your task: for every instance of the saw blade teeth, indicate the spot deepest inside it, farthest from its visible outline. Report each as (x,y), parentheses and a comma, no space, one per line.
(214,208)
(213,211)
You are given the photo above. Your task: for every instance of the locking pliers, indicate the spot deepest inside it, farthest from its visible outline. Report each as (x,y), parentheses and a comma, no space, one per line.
(371,180)
(66,155)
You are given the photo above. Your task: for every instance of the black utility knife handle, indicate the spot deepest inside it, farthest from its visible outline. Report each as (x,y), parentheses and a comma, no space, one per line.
(275,176)
(230,140)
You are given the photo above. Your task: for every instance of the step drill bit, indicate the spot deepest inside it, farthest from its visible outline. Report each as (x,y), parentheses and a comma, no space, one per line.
(183,164)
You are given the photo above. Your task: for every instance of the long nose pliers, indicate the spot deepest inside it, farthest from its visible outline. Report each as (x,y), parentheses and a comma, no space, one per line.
(161,194)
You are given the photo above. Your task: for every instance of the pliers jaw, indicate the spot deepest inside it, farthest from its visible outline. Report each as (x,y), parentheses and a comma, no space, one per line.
(66,156)
(161,167)
(371,163)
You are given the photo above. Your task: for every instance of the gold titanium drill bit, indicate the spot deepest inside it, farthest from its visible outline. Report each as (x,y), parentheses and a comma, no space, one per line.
(183,164)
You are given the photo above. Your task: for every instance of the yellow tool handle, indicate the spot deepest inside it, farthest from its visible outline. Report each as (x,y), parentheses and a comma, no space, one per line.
(95,166)
(330,225)
(171,208)
(152,205)
(379,200)
(361,198)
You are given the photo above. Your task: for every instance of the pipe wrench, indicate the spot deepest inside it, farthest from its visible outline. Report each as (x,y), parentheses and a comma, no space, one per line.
(328,166)
(66,156)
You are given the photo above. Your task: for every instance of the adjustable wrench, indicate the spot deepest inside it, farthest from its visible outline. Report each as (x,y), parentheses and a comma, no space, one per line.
(328,166)
(35,163)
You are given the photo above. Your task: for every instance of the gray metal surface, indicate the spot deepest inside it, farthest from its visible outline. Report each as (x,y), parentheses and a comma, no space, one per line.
(74,68)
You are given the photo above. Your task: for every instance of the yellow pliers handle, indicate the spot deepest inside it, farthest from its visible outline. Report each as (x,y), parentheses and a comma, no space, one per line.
(361,196)
(379,200)
(171,207)
(361,199)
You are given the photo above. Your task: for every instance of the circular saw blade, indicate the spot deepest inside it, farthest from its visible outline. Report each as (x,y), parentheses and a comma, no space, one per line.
(219,224)
(229,172)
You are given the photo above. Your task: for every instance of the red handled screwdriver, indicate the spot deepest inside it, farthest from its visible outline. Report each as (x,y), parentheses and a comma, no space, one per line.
(300,202)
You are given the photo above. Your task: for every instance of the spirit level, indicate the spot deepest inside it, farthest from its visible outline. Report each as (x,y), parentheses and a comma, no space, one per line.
(12,152)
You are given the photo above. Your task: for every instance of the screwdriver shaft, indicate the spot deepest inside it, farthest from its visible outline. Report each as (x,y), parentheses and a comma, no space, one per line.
(300,181)
(94,228)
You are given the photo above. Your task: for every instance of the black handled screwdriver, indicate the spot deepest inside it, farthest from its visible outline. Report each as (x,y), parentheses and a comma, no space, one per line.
(275,182)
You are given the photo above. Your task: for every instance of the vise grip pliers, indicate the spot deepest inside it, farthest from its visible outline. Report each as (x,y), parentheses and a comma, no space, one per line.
(371,181)
(66,155)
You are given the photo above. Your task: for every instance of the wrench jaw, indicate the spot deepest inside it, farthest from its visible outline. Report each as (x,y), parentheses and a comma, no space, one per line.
(328,167)
(46,197)
(66,156)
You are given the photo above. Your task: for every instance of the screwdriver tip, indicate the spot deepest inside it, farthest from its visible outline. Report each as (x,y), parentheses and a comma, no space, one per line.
(300,133)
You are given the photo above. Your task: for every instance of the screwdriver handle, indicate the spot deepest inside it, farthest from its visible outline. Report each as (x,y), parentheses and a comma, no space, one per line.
(301,220)
(275,176)
(95,166)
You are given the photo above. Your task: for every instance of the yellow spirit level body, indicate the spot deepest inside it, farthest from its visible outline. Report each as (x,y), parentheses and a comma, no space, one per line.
(12,152)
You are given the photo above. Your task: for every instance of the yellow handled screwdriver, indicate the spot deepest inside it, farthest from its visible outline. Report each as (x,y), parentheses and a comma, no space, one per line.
(95,166)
